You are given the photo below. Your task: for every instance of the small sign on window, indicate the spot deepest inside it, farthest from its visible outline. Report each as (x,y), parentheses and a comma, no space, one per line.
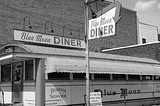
(95,99)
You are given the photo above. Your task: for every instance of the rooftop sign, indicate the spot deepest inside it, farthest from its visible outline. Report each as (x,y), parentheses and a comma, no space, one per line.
(104,24)
(47,39)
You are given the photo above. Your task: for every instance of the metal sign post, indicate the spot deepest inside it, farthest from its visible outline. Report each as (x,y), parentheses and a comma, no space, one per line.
(105,23)
(87,54)
(102,26)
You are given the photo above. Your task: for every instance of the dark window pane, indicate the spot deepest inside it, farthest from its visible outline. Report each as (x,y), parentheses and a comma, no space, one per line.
(29,70)
(157,77)
(133,77)
(143,40)
(102,76)
(58,76)
(6,72)
(79,76)
(119,77)
(146,77)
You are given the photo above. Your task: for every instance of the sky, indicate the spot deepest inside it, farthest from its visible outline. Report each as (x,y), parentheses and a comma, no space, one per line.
(148,11)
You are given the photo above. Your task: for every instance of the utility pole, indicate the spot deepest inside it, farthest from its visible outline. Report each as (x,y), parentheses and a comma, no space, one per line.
(87,53)
(86,16)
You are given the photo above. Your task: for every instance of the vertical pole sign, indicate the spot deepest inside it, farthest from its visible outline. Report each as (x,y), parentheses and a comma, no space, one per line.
(104,24)
(87,53)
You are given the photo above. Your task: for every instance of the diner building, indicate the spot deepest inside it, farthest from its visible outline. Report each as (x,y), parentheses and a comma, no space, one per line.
(43,57)
(33,74)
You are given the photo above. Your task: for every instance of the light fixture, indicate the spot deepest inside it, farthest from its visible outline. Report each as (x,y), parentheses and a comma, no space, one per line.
(92,12)
(69,28)
(51,30)
(24,23)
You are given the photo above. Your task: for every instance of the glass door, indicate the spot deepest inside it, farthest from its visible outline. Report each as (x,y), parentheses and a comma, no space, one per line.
(17,82)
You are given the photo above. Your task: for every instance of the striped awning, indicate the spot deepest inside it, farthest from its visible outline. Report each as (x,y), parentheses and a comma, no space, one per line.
(78,65)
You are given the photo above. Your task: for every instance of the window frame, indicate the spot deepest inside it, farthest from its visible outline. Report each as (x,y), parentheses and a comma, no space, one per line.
(60,73)
(114,76)
(2,74)
(32,70)
(134,78)
(102,77)
(146,78)
(144,40)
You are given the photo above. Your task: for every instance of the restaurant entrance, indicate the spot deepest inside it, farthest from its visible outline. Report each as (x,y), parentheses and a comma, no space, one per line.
(17,82)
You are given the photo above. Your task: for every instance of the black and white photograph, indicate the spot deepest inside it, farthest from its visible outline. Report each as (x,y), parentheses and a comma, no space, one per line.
(79,52)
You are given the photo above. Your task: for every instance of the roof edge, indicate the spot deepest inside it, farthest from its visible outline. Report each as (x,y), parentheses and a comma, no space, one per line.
(17,45)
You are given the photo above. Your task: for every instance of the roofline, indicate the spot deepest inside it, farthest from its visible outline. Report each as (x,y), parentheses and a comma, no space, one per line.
(130,9)
(81,54)
(39,55)
(124,47)
(148,24)
(18,45)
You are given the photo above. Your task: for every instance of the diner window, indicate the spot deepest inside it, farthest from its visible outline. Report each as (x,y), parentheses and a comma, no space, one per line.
(6,72)
(80,76)
(146,77)
(157,77)
(133,77)
(119,77)
(58,76)
(29,70)
(102,76)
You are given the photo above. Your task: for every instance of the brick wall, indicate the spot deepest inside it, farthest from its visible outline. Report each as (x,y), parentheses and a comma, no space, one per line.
(68,13)
(150,51)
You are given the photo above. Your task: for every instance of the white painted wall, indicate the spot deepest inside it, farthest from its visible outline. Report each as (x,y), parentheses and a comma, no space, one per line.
(149,32)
